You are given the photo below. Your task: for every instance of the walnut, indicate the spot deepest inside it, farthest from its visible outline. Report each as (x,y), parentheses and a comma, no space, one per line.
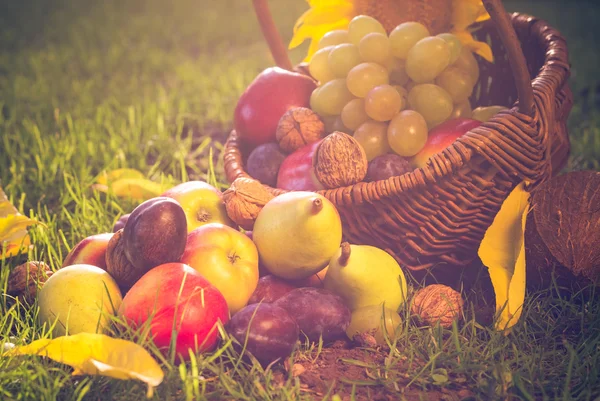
(298,127)
(118,265)
(438,303)
(340,161)
(244,199)
(25,279)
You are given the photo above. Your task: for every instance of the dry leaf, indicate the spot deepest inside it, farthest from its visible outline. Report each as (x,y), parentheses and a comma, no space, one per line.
(129,183)
(13,228)
(502,251)
(98,354)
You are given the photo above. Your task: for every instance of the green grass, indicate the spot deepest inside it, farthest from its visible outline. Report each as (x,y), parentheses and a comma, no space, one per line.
(86,87)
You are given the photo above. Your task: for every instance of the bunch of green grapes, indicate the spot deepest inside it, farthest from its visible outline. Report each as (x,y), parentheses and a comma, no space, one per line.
(390,90)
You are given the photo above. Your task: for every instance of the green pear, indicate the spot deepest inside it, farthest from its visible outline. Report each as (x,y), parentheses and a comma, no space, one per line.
(365,275)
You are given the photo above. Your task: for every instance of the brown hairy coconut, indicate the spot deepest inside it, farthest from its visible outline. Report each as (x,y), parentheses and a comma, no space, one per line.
(562,233)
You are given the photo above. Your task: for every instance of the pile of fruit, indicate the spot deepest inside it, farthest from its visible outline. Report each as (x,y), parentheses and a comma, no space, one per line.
(177,267)
(402,97)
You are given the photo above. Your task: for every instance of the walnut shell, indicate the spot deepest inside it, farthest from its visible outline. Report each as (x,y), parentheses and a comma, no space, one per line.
(438,303)
(25,279)
(117,264)
(299,126)
(340,161)
(244,199)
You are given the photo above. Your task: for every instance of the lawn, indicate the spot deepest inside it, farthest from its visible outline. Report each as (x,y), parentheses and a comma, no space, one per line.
(151,85)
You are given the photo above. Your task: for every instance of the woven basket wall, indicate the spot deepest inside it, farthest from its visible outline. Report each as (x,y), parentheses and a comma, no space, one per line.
(438,215)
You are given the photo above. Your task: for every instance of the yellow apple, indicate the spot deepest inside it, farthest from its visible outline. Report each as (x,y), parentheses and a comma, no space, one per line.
(227,258)
(80,299)
(201,202)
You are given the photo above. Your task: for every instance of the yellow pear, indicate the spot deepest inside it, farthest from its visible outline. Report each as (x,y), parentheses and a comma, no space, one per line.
(296,234)
(364,275)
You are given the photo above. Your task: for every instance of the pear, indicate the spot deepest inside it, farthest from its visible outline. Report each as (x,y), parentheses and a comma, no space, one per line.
(365,275)
(296,234)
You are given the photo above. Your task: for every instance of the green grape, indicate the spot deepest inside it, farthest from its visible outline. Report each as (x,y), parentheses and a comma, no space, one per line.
(454,43)
(314,102)
(319,65)
(432,102)
(467,62)
(332,97)
(485,113)
(372,136)
(461,110)
(427,58)
(372,319)
(404,36)
(375,47)
(383,102)
(333,38)
(364,77)
(456,82)
(397,69)
(407,133)
(343,58)
(354,114)
(362,25)
(403,94)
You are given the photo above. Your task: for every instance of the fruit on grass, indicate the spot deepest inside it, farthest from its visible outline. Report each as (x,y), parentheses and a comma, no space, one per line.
(266,331)
(227,258)
(331,97)
(364,77)
(375,321)
(78,299)
(383,102)
(297,233)
(404,37)
(155,233)
(90,251)
(375,47)
(264,162)
(485,113)
(364,275)
(119,224)
(386,166)
(173,298)
(407,133)
(318,312)
(437,303)
(354,114)
(296,172)
(264,101)
(343,58)
(432,102)
(269,289)
(441,137)
(362,25)
(372,136)
(298,127)
(25,280)
(427,59)
(201,202)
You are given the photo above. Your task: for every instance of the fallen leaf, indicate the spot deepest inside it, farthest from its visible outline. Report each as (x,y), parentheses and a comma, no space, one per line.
(129,183)
(98,354)
(502,251)
(14,238)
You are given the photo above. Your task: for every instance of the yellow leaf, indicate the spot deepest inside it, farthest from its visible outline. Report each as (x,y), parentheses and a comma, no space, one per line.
(481,48)
(14,238)
(129,183)
(502,251)
(98,354)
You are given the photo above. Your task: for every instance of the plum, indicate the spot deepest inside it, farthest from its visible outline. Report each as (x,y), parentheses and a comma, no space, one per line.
(268,331)
(318,312)
(121,222)
(270,289)
(386,166)
(155,233)
(264,161)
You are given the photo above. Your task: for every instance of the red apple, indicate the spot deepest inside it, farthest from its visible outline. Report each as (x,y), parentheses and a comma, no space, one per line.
(296,173)
(175,296)
(225,257)
(89,251)
(268,97)
(441,137)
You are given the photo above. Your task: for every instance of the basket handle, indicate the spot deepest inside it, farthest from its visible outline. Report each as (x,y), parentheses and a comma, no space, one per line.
(516,58)
(497,13)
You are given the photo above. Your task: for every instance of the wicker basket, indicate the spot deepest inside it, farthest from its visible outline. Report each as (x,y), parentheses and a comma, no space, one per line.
(438,215)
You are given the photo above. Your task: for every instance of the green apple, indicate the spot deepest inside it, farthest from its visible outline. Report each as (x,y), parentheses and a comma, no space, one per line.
(201,202)
(79,299)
